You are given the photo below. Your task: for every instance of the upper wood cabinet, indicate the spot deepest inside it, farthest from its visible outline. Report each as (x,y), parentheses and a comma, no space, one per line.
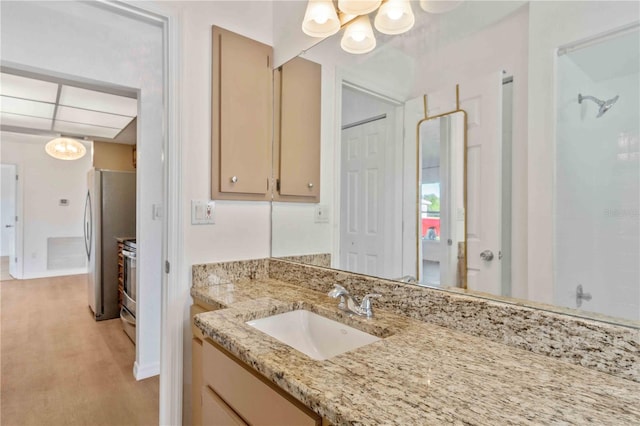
(241,117)
(113,156)
(297,133)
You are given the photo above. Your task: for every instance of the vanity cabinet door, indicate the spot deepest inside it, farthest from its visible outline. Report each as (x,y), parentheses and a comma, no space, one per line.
(216,413)
(241,117)
(250,395)
(197,400)
(297,166)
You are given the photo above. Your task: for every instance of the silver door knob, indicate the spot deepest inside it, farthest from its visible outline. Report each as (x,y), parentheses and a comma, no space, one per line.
(487,255)
(234,179)
(310,185)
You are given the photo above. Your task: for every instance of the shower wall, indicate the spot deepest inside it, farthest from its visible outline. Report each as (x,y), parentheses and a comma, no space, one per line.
(597,176)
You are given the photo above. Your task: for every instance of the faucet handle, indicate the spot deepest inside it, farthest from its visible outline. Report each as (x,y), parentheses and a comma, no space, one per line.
(365,305)
(337,290)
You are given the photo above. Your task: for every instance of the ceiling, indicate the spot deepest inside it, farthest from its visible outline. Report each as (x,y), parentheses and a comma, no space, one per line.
(31,105)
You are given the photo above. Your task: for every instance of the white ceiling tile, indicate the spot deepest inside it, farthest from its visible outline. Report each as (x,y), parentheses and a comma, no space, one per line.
(98,101)
(7,119)
(103,119)
(27,88)
(85,129)
(25,107)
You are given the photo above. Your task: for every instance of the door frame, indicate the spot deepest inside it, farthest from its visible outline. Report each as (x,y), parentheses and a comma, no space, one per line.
(342,78)
(175,275)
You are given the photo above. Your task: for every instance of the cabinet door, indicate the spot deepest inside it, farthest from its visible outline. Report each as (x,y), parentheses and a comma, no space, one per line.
(251,396)
(216,412)
(242,114)
(196,382)
(299,86)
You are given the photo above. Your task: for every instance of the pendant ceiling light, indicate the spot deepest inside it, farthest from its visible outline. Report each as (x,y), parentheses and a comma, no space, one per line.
(395,17)
(439,6)
(358,36)
(320,19)
(65,149)
(358,7)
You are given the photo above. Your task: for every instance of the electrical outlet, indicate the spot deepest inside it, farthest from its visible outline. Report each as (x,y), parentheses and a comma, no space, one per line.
(202,212)
(321,214)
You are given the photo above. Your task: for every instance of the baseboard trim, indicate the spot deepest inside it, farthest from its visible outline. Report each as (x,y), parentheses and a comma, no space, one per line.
(145,371)
(52,274)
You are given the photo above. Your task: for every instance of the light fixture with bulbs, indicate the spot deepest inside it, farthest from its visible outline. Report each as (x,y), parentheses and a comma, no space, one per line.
(65,148)
(393,17)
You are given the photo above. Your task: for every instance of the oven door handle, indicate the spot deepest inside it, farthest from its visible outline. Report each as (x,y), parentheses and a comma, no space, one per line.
(127,317)
(129,254)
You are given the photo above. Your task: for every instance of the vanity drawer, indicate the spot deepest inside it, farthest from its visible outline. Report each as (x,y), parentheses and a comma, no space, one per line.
(248,394)
(215,412)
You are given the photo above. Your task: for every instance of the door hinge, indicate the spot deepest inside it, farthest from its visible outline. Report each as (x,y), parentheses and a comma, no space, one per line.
(167,267)
(16,177)
(278,185)
(15,260)
(267,184)
(16,218)
(268,61)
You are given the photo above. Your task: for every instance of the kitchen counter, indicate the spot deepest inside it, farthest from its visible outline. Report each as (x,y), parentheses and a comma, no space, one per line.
(418,373)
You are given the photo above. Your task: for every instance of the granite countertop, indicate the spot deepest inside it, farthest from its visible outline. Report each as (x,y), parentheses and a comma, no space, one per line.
(418,373)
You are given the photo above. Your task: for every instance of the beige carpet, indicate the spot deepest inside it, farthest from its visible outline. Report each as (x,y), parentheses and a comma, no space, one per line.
(60,367)
(4,269)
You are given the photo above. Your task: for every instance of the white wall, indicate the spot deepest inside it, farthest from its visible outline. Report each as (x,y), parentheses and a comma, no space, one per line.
(43,181)
(242,229)
(579,20)
(91,43)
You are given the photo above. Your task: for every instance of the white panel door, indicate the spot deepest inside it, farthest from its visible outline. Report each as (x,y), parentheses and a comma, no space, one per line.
(482,100)
(8,215)
(362,245)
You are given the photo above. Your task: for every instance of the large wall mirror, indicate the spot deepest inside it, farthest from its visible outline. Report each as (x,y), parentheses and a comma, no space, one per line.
(541,204)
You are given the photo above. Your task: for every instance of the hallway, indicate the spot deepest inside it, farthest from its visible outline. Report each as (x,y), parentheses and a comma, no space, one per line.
(60,367)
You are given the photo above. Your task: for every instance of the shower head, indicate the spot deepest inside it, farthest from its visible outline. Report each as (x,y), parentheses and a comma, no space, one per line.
(604,105)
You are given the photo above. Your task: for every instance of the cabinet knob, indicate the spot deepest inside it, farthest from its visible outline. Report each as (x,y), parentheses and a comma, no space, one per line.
(310,185)
(234,179)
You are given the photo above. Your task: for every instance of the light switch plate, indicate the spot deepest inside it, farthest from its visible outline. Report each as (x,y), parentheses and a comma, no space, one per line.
(321,214)
(156,212)
(202,212)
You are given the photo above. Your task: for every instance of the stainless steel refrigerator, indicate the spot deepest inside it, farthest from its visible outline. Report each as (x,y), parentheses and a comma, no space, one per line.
(109,213)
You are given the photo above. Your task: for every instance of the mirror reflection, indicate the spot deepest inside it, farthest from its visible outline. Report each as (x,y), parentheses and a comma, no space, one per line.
(552,169)
(441,201)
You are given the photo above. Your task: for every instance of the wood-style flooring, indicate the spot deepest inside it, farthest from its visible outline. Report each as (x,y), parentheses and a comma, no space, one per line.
(60,367)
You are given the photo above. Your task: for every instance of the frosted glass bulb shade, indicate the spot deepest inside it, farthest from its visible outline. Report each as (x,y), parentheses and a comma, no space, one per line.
(358,7)
(439,6)
(320,19)
(395,17)
(358,37)
(65,149)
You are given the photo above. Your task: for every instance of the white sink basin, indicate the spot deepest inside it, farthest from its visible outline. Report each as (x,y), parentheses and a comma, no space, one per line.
(315,336)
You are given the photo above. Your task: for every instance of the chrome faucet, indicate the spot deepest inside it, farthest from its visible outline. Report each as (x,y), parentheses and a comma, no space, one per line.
(350,303)
(407,279)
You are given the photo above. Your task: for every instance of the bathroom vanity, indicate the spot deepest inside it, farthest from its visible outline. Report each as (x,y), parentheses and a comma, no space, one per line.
(417,373)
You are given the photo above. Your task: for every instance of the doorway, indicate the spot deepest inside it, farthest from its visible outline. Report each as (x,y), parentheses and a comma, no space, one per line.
(371,205)
(8,218)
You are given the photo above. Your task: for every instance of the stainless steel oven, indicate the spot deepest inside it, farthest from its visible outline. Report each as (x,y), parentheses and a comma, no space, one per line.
(128,312)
